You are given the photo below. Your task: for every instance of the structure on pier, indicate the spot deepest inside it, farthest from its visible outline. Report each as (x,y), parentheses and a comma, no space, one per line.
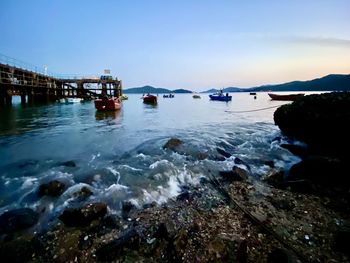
(34,86)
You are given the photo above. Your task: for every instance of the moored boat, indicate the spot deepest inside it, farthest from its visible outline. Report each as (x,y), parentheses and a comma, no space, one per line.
(168,96)
(107,104)
(252,93)
(151,99)
(196,96)
(220,96)
(291,97)
(70,100)
(124,97)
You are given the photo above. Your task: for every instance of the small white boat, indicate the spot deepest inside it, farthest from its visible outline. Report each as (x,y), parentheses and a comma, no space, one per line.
(72,100)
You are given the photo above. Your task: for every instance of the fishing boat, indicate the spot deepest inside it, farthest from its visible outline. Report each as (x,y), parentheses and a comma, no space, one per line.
(70,100)
(150,99)
(195,96)
(291,97)
(108,104)
(124,97)
(220,96)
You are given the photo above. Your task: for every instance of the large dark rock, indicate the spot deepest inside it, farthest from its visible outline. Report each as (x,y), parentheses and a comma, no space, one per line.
(129,241)
(236,174)
(173,144)
(281,255)
(22,249)
(320,170)
(321,121)
(53,188)
(223,152)
(83,216)
(69,164)
(297,150)
(342,239)
(18,219)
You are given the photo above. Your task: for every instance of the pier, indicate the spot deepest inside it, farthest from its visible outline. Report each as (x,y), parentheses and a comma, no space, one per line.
(32,85)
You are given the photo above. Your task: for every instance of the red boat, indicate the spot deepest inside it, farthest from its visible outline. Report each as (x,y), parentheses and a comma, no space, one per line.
(291,97)
(151,99)
(106,104)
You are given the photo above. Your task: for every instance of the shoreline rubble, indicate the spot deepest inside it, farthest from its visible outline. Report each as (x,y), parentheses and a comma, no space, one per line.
(204,223)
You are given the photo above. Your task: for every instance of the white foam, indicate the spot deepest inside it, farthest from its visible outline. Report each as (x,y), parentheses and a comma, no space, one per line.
(130,167)
(116,187)
(28,182)
(158,163)
(141,155)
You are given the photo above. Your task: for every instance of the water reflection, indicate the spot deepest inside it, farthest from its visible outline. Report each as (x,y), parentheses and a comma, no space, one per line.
(107,115)
(150,105)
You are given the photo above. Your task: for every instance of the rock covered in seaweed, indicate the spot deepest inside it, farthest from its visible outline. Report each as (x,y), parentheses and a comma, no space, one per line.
(321,121)
(18,219)
(83,216)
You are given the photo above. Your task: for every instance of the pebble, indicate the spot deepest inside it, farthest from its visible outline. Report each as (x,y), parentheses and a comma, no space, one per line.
(86,238)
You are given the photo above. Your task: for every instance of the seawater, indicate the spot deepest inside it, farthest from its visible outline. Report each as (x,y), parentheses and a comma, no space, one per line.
(119,155)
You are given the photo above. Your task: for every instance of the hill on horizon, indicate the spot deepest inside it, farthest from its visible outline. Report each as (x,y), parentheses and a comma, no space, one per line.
(332,82)
(150,89)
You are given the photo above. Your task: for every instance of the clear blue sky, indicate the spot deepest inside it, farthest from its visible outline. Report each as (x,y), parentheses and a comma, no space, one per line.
(181,44)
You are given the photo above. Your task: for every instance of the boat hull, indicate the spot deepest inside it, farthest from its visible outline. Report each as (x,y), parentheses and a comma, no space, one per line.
(288,97)
(150,99)
(108,104)
(220,97)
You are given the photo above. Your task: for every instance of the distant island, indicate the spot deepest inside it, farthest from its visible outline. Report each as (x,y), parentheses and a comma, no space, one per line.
(332,82)
(150,89)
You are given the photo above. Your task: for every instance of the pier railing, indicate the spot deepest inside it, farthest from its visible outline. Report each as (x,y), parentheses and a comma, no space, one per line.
(13,62)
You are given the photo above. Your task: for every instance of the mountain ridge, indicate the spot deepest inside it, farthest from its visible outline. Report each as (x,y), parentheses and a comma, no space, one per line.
(331,82)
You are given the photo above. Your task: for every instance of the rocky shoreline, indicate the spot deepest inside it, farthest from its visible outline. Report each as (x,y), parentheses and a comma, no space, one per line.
(229,217)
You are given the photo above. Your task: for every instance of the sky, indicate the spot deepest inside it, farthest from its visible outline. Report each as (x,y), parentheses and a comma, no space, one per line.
(190,44)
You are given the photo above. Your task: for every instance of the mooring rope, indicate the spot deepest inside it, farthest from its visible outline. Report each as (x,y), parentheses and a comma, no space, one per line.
(229,111)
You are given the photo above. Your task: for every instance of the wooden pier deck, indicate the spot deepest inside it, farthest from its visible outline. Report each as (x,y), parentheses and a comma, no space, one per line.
(34,86)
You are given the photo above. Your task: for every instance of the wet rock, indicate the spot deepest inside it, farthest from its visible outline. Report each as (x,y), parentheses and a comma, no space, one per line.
(342,240)
(161,231)
(18,219)
(283,204)
(321,170)
(129,241)
(221,249)
(18,250)
(321,121)
(242,251)
(223,152)
(300,186)
(28,163)
(111,221)
(237,174)
(274,177)
(83,216)
(180,242)
(69,164)
(127,206)
(54,188)
(201,156)
(172,144)
(83,193)
(298,150)
(183,196)
(281,255)
(270,163)
(240,161)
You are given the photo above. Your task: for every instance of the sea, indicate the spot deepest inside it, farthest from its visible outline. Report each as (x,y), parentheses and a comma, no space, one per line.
(119,155)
